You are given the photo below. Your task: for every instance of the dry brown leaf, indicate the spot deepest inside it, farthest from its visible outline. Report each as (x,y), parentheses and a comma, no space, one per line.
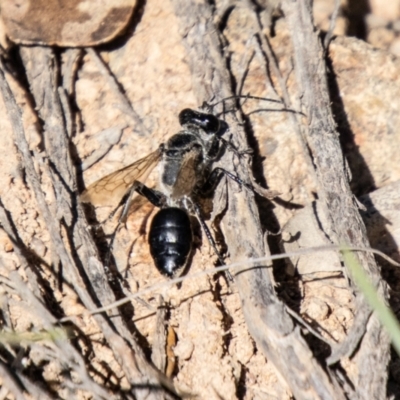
(71,24)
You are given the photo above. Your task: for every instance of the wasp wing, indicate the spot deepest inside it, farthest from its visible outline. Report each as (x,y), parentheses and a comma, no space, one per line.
(188,175)
(111,188)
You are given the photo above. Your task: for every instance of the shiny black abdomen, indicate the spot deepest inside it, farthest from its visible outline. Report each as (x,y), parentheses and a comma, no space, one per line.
(170,240)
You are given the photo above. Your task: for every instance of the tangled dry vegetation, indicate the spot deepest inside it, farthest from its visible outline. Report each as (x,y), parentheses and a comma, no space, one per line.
(323,130)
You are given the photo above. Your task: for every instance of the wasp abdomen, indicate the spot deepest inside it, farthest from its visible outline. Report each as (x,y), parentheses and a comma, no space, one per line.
(170,240)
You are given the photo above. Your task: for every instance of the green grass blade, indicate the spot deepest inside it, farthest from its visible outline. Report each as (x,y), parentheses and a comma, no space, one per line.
(384,313)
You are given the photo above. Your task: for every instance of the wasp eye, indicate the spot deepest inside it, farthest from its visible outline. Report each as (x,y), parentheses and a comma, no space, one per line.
(208,122)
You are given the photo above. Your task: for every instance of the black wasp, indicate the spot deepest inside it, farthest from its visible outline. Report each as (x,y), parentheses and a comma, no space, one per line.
(186,174)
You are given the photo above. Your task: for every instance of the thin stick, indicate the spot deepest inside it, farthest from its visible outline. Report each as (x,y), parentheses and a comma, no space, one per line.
(126,105)
(234,266)
(332,25)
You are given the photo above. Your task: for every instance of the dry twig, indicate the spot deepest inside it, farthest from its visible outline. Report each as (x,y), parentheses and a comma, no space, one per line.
(266,317)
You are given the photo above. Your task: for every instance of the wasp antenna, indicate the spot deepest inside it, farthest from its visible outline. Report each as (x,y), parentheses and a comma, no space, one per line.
(246,97)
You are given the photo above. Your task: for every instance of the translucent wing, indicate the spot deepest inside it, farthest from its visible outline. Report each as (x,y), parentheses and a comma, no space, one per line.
(111,188)
(188,174)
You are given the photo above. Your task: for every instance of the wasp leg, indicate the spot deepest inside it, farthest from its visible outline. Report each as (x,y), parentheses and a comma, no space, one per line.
(155,197)
(216,176)
(254,187)
(229,145)
(210,238)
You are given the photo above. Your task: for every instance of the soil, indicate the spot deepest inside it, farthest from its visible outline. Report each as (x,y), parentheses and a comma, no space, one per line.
(209,350)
